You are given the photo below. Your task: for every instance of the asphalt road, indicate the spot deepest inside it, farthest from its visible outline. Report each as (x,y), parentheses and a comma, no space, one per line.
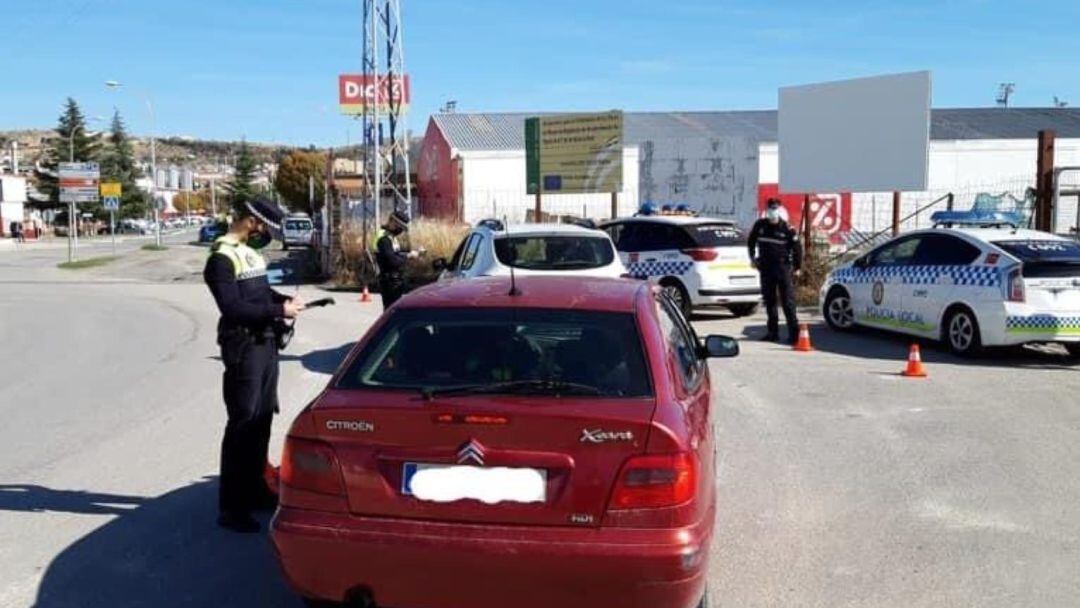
(840,483)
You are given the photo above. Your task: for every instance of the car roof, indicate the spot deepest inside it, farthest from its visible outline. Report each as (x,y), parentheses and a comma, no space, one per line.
(678,220)
(551,292)
(536,229)
(989,235)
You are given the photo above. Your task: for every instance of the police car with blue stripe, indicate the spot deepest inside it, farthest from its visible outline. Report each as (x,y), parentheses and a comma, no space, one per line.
(698,261)
(973,280)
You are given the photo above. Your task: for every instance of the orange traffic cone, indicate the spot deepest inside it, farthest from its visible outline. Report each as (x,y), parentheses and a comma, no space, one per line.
(803,344)
(365,296)
(270,475)
(914,364)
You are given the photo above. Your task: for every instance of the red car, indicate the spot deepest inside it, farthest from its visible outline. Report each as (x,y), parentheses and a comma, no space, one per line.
(483,449)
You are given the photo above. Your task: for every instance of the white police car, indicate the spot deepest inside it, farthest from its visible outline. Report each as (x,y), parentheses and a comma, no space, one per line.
(491,248)
(699,261)
(973,280)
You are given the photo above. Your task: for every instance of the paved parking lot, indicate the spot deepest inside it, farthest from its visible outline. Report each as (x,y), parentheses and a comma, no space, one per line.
(840,483)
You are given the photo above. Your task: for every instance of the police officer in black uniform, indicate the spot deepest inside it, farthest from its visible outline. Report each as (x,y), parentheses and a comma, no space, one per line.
(236,275)
(391,258)
(776,254)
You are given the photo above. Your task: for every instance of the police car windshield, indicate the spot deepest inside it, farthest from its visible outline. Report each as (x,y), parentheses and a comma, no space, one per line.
(718,235)
(528,351)
(554,252)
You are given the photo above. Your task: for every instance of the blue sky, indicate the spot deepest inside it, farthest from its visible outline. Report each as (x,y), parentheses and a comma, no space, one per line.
(266,69)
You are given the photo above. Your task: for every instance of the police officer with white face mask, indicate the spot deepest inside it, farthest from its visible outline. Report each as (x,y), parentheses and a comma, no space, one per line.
(775,252)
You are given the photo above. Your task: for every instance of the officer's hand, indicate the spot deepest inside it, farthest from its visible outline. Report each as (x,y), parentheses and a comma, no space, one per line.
(293,307)
(797,272)
(413,255)
(754,262)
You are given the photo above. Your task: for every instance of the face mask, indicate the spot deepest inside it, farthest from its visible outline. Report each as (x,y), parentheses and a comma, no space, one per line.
(772,214)
(259,239)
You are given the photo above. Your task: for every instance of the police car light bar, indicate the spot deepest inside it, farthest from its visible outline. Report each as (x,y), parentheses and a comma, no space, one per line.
(983,219)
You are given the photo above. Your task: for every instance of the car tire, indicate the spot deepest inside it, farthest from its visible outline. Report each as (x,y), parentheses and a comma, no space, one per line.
(284,246)
(961,332)
(838,312)
(743,310)
(678,294)
(1073,348)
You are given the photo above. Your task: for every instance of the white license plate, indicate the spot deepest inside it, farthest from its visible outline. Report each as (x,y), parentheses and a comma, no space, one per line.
(490,485)
(744,280)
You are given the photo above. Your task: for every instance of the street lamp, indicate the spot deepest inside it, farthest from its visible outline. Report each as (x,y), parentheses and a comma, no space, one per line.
(115,85)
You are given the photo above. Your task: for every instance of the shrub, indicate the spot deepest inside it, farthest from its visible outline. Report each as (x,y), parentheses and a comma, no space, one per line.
(439,239)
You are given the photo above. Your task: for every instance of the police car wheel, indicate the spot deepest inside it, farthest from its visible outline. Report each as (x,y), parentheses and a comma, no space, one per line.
(838,312)
(1073,349)
(962,332)
(674,290)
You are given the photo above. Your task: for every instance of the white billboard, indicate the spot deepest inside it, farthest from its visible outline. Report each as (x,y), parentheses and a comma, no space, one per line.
(862,135)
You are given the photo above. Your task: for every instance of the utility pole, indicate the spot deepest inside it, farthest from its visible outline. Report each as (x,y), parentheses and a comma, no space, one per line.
(388,108)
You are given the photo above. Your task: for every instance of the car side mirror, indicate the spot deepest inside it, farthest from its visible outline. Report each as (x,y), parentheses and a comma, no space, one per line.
(720,347)
(438,264)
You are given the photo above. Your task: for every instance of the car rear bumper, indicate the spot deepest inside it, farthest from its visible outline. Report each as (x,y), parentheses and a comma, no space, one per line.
(418,564)
(1020,323)
(729,295)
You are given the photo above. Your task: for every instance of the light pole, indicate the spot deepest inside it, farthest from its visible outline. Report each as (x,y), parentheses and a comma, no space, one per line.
(114,85)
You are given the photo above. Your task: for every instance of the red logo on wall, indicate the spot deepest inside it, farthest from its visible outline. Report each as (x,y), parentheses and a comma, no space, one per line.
(830,213)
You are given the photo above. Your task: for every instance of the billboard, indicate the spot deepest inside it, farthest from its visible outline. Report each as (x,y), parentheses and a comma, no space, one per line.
(862,135)
(79,182)
(574,153)
(358,91)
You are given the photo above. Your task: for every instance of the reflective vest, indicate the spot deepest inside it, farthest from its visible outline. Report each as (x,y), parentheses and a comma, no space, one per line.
(247,263)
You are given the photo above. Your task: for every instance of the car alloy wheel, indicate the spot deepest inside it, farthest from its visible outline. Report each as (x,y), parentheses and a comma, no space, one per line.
(678,297)
(962,333)
(838,311)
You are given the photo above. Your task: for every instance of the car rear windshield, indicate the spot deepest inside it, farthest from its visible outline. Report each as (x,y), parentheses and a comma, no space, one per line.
(298,224)
(1045,258)
(424,349)
(554,252)
(718,235)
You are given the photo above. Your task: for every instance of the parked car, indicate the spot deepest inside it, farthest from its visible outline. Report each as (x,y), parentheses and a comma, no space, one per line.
(491,249)
(297,230)
(701,262)
(974,280)
(209,232)
(487,447)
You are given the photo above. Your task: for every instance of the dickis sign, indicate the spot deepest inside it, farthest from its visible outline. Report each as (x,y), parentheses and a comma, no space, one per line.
(358,91)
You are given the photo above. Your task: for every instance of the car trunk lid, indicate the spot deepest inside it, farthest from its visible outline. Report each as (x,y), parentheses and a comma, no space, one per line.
(578,445)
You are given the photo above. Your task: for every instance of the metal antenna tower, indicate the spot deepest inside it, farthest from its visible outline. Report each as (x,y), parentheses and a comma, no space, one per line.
(386,134)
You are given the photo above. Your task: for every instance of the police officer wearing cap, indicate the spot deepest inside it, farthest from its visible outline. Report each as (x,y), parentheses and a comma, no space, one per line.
(775,252)
(391,258)
(236,275)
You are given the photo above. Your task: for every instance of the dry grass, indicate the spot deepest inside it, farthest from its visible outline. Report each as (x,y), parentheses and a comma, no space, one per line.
(814,270)
(439,239)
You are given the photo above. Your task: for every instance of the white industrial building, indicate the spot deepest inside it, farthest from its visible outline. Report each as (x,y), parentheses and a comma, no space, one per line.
(473,165)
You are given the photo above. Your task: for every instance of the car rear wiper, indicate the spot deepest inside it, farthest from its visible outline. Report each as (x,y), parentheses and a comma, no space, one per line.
(556,387)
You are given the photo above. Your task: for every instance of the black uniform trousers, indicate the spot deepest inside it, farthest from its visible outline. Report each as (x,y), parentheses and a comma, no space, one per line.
(250,387)
(391,288)
(777,278)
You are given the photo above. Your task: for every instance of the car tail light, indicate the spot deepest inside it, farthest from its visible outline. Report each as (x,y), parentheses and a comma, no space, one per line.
(649,482)
(311,466)
(1016,285)
(701,254)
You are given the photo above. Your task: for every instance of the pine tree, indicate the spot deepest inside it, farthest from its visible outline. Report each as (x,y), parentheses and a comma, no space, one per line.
(118,165)
(241,186)
(72,143)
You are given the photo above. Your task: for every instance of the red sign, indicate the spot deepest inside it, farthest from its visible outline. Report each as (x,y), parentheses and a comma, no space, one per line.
(830,214)
(358,91)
